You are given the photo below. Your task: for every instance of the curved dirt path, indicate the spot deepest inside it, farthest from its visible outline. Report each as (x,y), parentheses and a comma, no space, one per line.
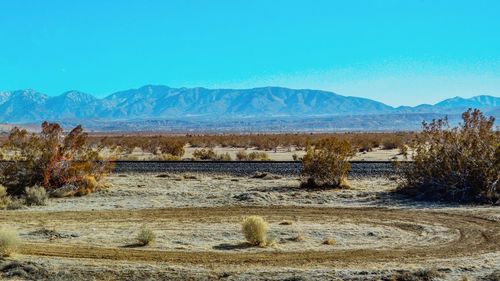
(475,235)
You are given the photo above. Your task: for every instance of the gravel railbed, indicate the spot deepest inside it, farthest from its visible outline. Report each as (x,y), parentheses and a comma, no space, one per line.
(245,168)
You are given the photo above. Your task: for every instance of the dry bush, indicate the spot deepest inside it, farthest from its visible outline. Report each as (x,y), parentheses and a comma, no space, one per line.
(326,165)
(27,270)
(130,158)
(170,157)
(223,157)
(89,184)
(329,241)
(204,154)
(156,144)
(460,164)
(174,144)
(5,199)
(262,156)
(252,156)
(173,147)
(145,236)
(35,196)
(255,229)
(419,275)
(241,155)
(9,241)
(392,142)
(16,204)
(209,154)
(365,147)
(51,159)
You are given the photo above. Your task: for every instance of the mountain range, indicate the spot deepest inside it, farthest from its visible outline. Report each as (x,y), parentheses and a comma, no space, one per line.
(191,104)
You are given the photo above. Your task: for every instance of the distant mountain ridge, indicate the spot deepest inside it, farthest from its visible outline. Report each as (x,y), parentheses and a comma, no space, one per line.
(162,102)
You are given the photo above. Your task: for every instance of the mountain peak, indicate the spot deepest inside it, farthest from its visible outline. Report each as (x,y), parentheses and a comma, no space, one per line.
(77,96)
(27,93)
(163,102)
(476,101)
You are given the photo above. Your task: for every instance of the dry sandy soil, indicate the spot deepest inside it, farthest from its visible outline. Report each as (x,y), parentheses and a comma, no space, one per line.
(196,218)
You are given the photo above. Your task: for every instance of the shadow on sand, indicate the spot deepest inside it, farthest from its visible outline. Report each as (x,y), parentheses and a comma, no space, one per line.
(133,245)
(229,247)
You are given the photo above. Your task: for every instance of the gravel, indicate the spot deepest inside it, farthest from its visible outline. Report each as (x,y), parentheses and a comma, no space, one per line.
(283,168)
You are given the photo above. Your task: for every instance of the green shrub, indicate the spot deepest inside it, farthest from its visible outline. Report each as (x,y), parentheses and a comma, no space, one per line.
(326,165)
(460,164)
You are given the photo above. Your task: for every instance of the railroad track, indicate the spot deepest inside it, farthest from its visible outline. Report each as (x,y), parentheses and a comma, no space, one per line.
(246,168)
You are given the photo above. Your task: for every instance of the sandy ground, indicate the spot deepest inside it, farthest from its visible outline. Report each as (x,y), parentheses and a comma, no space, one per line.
(196,219)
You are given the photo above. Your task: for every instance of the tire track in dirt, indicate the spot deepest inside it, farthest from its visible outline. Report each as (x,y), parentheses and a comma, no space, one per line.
(476,235)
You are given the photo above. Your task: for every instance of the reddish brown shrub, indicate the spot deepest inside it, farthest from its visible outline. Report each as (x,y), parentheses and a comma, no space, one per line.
(51,160)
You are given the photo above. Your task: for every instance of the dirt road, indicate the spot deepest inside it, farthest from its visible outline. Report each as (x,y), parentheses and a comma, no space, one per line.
(475,235)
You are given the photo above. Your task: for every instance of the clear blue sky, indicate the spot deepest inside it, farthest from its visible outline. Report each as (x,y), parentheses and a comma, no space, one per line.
(397,52)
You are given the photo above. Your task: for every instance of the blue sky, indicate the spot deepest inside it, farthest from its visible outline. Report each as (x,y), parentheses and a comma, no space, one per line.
(397,52)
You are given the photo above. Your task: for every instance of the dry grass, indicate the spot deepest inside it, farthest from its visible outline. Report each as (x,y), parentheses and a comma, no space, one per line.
(145,236)
(35,196)
(209,154)
(252,156)
(419,275)
(9,241)
(255,230)
(16,204)
(329,241)
(5,199)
